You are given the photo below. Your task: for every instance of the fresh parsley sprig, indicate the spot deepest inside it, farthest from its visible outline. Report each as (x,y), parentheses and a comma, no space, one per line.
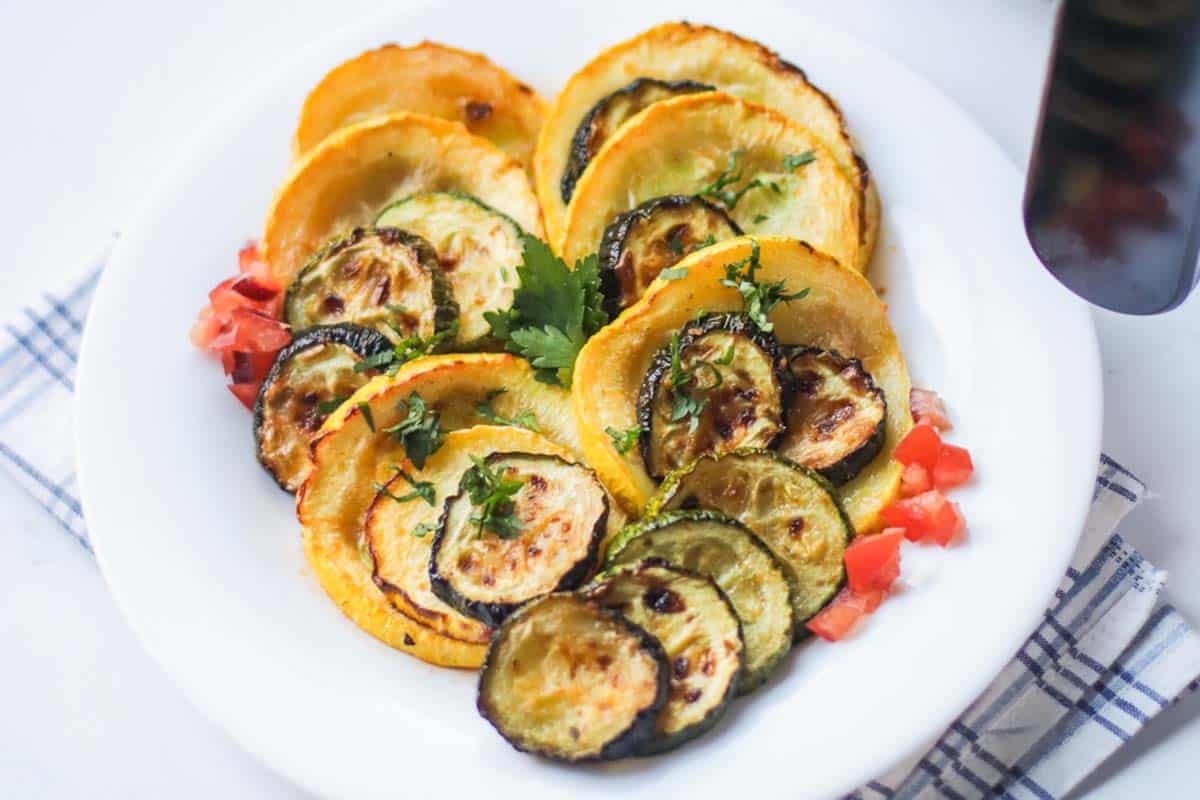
(420,431)
(327,407)
(798,160)
(719,189)
(492,493)
(525,419)
(554,311)
(624,440)
(405,350)
(425,490)
(759,298)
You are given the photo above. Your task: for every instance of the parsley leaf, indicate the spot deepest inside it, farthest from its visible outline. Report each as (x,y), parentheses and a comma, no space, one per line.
(760,218)
(420,432)
(719,191)
(405,350)
(798,160)
(492,494)
(368,417)
(759,299)
(422,489)
(327,407)
(422,529)
(624,440)
(673,273)
(554,311)
(524,420)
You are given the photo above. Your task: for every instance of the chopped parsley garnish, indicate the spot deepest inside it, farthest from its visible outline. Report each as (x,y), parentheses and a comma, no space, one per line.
(368,417)
(422,529)
(406,350)
(798,160)
(624,440)
(524,420)
(719,189)
(492,494)
(759,298)
(760,218)
(674,273)
(327,407)
(554,311)
(684,382)
(424,490)
(420,432)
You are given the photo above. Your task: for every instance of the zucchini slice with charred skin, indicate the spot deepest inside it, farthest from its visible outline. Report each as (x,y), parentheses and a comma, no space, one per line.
(560,511)
(700,633)
(718,387)
(573,681)
(315,370)
(381,278)
(610,113)
(477,248)
(837,417)
(739,563)
(656,235)
(791,508)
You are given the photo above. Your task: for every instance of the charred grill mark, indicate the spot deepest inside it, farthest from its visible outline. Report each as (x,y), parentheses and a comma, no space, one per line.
(708,663)
(333,305)
(834,419)
(392,236)
(692,696)
(809,382)
(477,110)
(680,667)
(408,641)
(383,291)
(796,527)
(663,600)
(537,484)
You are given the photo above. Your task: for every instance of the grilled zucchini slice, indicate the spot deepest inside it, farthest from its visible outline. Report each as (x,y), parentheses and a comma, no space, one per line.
(428,78)
(314,371)
(380,278)
(837,417)
(570,680)
(791,508)
(841,312)
(696,143)
(477,248)
(558,518)
(656,235)
(677,51)
(399,535)
(732,384)
(354,173)
(700,634)
(352,452)
(745,569)
(611,112)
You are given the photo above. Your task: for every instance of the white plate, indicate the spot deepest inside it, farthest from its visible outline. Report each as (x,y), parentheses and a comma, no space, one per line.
(203,554)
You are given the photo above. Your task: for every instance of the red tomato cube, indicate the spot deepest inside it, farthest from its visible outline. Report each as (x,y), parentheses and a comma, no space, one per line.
(224,298)
(921,446)
(952,468)
(927,408)
(248,257)
(914,480)
(247,393)
(838,618)
(928,516)
(206,327)
(257,332)
(873,562)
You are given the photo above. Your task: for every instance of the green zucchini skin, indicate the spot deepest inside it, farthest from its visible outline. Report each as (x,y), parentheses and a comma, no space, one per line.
(682,489)
(869,397)
(609,113)
(617,248)
(493,612)
(682,586)
(735,324)
(445,308)
(627,742)
(363,342)
(645,539)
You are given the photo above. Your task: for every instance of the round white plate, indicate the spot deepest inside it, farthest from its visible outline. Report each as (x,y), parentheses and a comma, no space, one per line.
(203,554)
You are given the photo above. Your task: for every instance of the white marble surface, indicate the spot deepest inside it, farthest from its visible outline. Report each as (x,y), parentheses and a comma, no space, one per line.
(96,98)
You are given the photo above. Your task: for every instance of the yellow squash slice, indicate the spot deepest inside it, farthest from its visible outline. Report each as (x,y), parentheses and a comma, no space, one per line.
(840,312)
(680,146)
(348,458)
(428,78)
(678,51)
(356,172)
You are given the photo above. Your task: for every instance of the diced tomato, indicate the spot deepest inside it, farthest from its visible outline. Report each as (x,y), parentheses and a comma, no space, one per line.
(246,367)
(258,290)
(927,407)
(927,517)
(953,467)
(838,618)
(246,392)
(224,298)
(248,257)
(873,562)
(206,327)
(252,331)
(914,480)
(921,446)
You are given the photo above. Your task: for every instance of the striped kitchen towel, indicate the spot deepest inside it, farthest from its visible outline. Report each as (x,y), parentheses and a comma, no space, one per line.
(1108,655)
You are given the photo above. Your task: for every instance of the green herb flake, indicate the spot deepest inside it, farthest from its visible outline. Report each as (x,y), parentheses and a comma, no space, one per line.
(798,160)
(425,490)
(492,493)
(624,440)
(719,189)
(525,419)
(419,432)
(423,529)
(554,311)
(368,417)
(760,218)
(759,299)
(674,273)
(407,349)
(327,407)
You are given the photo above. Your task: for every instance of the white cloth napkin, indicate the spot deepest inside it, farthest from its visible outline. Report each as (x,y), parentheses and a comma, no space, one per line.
(1109,654)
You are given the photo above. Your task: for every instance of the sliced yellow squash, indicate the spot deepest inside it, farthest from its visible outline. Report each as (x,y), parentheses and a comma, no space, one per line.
(428,78)
(841,312)
(677,51)
(682,145)
(356,172)
(348,458)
